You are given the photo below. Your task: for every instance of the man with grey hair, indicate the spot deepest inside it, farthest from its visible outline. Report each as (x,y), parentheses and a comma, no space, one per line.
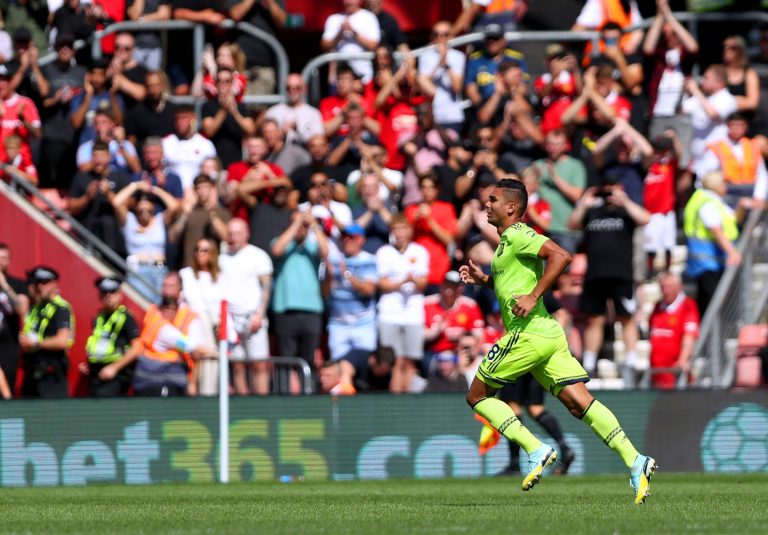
(155,172)
(298,120)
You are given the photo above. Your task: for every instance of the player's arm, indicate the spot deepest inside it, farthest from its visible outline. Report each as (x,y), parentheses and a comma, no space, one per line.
(556,260)
(473,274)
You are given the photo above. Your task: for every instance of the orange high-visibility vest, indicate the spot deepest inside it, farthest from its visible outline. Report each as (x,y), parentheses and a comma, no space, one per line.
(153,322)
(734,171)
(500,6)
(612,12)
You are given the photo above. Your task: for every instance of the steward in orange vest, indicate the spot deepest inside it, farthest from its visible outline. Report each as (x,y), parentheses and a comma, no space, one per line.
(165,367)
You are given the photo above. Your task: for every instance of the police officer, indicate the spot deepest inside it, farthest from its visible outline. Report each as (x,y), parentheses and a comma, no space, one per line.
(114,344)
(47,335)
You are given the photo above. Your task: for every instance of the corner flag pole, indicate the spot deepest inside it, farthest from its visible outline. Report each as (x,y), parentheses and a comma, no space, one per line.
(223,397)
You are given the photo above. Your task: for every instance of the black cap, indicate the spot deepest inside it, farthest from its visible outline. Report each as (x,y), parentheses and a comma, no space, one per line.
(108,284)
(494,31)
(41,274)
(64,38)
(22,33)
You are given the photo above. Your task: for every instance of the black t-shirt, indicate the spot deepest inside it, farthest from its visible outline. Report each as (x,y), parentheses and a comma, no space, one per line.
(56,124)
(144,121)
(27,87)
(267,222)
(629,175)
(149,39)
(608,233)
(517,154)
(446,177)
(61,319)
(391,34)
(138,75)
(127,333)
(10,322)
(352,158)
(98,215)
(66,20)
(257,51)
(228,140)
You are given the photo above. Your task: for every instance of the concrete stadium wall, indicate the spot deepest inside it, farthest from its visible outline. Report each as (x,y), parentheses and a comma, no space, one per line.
(139,441)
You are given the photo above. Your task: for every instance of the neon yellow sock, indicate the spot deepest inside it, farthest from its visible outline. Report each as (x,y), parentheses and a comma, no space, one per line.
(606,426)
(502,418)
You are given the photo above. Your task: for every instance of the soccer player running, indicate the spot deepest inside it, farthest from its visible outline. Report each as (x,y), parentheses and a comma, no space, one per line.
(524,266)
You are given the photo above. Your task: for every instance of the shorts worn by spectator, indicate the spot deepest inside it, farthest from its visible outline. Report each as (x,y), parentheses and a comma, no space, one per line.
(113,345)
(91,195)
(149,44)
(50,321)
(354,30)
(246,284)
(14,304)
(267,16)
(403,268)
(288,157)
(609,218)
(202,217)
(298,302)
(185,149)
(122,154)
(673,328)
(66,79)
(350,287)
(225,122)
(299,121)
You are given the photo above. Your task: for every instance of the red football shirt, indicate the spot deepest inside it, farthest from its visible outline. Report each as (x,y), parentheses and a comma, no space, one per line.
(542,207)
(667,326)
(11,123)
(659,187)
(464,315)
(236,173)
(445,216)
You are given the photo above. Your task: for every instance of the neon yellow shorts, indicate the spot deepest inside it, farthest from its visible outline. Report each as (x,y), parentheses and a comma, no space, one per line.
(517,353)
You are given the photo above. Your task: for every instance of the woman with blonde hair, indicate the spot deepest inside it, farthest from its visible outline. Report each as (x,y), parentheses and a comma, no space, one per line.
(742,79)
(202,293)
(228,55)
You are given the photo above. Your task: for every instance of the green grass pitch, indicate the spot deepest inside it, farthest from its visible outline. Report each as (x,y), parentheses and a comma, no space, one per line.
(680,503)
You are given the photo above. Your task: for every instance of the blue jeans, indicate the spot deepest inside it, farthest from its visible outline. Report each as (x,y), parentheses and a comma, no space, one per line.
(154,276)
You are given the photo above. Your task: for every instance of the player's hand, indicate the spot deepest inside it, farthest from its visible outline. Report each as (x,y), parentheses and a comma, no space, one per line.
(524,305)
(472,274)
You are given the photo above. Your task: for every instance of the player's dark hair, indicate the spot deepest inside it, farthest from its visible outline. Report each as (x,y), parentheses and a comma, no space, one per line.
(516,190)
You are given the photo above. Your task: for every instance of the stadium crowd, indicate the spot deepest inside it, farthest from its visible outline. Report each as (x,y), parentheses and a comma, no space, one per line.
(334,232)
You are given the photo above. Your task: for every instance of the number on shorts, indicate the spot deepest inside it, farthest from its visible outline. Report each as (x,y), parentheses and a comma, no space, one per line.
(493,353)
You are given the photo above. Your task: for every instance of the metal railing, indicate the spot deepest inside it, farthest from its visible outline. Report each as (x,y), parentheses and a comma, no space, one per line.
(88,239)
(741,298)
(283,372)
(311,70)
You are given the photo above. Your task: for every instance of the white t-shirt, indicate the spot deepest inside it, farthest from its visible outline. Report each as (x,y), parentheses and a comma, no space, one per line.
(364,23)
(710,162)
(184,156)
(710,213)
(169,337)
(394,177)
(705,130)
(404,306)
(240,274)
(307,120)
(446,105)
(593,16)
(201,293)
(670,89)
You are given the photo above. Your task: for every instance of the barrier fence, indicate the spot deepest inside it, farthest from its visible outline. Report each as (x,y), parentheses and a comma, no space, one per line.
(143,441)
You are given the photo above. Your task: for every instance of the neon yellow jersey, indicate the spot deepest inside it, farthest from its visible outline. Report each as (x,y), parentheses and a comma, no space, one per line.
(516,270)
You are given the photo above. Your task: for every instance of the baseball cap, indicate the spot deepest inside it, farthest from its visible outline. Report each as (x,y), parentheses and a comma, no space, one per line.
(108,284)
(554,50)
(453,277)
(353,229)
(41,274)
(493,31)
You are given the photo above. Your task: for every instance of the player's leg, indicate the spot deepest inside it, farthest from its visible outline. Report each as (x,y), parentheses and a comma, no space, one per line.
(512,356)
(512,394)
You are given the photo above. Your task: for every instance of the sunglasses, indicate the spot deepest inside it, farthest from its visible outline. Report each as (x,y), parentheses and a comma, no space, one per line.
(293,87)
(123,47)
(439,34)
(225,80)
(202,250)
